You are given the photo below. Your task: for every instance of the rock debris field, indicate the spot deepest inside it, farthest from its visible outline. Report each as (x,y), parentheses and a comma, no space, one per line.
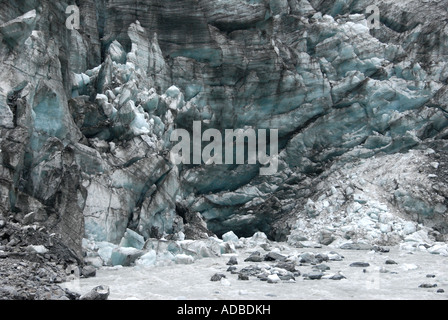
(259,269)
(35,265)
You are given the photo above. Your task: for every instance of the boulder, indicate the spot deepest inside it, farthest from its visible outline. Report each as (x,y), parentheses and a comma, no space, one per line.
(97,293)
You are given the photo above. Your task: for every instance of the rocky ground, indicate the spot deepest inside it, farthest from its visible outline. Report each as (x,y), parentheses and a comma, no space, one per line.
(33,263)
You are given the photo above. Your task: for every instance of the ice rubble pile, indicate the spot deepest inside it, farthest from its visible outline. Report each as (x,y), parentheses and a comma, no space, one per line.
(354,205)
(134,251)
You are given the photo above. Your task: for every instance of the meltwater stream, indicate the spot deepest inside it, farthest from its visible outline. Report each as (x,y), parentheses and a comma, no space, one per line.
(378,281)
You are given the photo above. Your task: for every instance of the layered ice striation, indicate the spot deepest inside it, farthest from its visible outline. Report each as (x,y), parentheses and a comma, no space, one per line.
(86,115)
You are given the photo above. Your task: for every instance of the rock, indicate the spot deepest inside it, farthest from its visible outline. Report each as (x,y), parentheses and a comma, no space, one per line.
(321,267)
(97,293)
(274,256)
(8,291)
(252,271)
(232,269)
(88,271)
(381,249)
(314,275)
(427,285)
(359,264)
(356,246)
(326,237)
(321,257)
(288,266)
(243,277)
(309,244)
(334,256)
(287,277)
(232,261)
(2,224)
(217,277)
(28,219)
(337,277)
(96,262)
(263,276)
(307,257)
(295,239)
(254,257)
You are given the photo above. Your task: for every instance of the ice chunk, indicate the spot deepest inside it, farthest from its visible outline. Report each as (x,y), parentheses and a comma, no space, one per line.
(360,198)
(409,228)
(148,259)
(105,251)
(37,249)
(420,237)
(409,266)
(132,239)
(273,278)
(117,53)
(259,238)
(6,115)
(230,237)
(15,32)
(172,92)
(225,282)
(140,126)
(165,258)
(125,256)
(173,98)
(184,259)
(440,248)
(202,248)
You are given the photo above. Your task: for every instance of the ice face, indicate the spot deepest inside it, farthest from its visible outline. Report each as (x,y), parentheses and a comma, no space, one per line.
(101,104)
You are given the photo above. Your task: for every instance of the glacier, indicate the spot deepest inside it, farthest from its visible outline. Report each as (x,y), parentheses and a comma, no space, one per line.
(86,118)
